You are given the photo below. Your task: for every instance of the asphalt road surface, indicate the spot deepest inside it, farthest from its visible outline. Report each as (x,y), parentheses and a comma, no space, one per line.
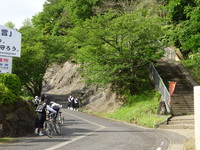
(85,132)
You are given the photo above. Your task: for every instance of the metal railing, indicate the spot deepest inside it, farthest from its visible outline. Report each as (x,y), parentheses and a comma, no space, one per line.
(160,86)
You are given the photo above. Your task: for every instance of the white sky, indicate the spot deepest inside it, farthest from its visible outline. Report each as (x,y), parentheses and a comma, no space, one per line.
(17,11)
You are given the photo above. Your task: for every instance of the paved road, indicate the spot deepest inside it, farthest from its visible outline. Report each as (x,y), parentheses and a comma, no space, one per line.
(85,132)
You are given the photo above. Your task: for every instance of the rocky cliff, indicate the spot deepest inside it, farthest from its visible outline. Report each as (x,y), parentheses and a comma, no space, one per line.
(64,80)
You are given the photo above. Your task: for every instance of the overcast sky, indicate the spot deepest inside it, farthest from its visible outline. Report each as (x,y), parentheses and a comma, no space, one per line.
(17,11)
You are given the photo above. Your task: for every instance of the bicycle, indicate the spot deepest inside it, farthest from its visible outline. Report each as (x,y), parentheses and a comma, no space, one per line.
(52,126)
(60,117)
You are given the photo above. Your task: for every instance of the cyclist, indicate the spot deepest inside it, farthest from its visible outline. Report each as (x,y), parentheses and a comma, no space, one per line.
(55,106)
(41,112)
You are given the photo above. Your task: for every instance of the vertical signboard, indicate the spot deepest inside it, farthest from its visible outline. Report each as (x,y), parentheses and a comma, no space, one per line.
(10,42)
(5,64)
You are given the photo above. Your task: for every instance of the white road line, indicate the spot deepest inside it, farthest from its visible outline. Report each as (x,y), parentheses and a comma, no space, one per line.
(159,148)
(78,137)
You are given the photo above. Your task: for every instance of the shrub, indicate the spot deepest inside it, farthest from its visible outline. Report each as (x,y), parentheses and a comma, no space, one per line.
(11,81)
(6,96)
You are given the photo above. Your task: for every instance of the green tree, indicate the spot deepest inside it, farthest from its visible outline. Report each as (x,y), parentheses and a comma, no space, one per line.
(184,31)
(10,24)
(81,9)
(27,22)
(59,15)
(189,31)
(177,9)
(116,49)
(53,19)
(38,53)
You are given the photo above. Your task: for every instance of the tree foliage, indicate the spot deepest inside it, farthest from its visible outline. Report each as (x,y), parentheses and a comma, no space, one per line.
(177,9)
(185,27)
(53,18)
(10,24)
(114,40)
(38,53)
(81,9)
(117,48)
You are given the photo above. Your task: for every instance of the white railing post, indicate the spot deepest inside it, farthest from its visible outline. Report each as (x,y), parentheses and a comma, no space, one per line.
(197,116)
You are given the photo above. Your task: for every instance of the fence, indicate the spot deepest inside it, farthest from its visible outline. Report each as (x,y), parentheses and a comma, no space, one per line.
(160,86)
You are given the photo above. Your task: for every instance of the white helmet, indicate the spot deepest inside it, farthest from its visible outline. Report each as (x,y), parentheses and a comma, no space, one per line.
(36,97)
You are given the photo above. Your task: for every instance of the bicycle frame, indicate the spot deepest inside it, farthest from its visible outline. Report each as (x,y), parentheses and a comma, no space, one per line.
(52,126)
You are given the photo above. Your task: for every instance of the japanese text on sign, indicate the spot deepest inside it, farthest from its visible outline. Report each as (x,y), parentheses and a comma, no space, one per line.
(10,42)
(5,64)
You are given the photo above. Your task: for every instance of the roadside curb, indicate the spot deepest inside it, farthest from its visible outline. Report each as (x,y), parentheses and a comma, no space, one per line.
(187,133)
(176,147)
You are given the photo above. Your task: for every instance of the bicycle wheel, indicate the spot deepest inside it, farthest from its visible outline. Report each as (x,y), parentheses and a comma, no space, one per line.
(48,128)
(62,120)
(58,127)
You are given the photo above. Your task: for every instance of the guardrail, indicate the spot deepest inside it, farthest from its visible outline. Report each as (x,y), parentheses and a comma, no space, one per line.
(160,86)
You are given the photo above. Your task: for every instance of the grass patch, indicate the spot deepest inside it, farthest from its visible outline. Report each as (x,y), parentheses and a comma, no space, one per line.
(6,140)
(140,109)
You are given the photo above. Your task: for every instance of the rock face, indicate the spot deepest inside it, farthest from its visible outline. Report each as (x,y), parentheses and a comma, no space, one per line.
(64,80)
